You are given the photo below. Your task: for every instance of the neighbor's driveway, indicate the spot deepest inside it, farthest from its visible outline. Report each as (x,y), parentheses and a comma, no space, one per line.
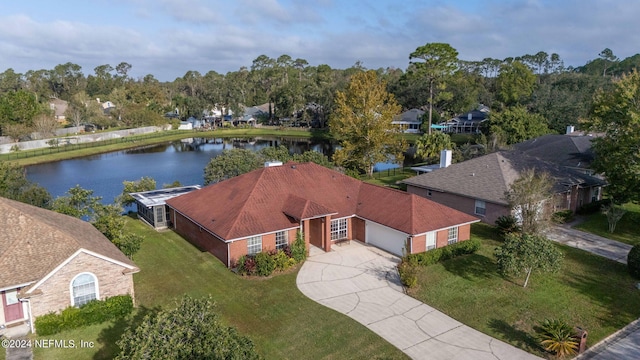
(592,243)
(362,282)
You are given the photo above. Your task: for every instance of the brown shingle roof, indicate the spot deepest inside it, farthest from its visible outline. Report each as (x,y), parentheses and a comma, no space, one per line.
(488,177)
(33,241)
(274,198)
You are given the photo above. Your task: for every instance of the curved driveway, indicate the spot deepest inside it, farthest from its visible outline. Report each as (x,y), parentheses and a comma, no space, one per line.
(362,282)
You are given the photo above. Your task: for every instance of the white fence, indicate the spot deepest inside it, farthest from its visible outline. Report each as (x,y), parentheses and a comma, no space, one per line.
(75,139)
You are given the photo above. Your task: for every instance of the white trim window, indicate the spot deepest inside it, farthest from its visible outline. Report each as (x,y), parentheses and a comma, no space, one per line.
(84,288)
(254,245)
(282,239)
(480,208)
(338,229)
(452,236)
(431,240)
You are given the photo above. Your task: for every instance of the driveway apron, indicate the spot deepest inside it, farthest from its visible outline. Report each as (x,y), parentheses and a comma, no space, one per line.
(362,282)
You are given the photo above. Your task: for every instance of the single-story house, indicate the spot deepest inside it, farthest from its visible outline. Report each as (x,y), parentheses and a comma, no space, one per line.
(410,121)
(265,209)
(478,186)
(51,261)
(151,205)
(570,150)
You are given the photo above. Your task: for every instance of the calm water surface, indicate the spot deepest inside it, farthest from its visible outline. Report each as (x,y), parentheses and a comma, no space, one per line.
(182,160)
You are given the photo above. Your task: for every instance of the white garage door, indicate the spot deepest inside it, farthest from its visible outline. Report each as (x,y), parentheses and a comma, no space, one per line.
(385,238)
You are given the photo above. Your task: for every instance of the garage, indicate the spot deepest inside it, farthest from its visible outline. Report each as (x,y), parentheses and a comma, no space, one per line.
(385,238)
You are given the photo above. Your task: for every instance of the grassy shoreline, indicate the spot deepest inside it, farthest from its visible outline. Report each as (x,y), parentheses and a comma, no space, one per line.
(39,156)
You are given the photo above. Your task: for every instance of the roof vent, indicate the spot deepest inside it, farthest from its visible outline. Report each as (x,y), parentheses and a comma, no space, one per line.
(272,163)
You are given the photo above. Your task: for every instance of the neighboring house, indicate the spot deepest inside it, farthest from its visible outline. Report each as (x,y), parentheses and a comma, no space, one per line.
(466,123)
(51,261)
(151,205)
(264,209)
(107,106)
(478,186)
(569,150)
(410,121)
(59,107)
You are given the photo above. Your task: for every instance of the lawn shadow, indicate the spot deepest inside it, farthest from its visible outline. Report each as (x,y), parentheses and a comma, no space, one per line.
(514,336)
(472,267)
(108,336)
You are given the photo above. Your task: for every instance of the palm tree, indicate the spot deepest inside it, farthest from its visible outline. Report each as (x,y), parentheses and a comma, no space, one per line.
(429,146)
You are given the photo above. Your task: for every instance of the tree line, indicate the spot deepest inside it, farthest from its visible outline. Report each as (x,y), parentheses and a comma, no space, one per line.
(435,80)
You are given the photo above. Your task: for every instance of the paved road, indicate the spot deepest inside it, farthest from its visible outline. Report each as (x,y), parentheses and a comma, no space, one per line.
(362,282)
(624,344)
(595,244)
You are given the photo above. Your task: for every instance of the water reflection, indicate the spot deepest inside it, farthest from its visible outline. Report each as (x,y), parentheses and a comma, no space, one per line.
(181,160)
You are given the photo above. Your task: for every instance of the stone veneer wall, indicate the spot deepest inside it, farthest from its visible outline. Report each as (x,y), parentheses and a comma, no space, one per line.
(56,291)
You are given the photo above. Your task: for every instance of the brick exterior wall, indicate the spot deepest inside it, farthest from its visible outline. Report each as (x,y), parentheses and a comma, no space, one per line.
(56,291)
(464,232)
(442,238)
(419,244)
(199,237)
(238,248)
(357,229)
(462,203)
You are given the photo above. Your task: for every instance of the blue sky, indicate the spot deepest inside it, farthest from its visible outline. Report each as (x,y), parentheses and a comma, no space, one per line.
(167,38)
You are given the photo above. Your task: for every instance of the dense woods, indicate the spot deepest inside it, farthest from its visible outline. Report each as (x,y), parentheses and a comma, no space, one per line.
(435,80)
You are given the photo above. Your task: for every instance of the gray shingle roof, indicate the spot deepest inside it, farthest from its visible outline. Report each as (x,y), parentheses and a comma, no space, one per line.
(564,150)
(488,177)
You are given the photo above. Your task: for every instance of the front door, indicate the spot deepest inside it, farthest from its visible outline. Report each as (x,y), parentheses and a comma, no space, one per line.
(12,306)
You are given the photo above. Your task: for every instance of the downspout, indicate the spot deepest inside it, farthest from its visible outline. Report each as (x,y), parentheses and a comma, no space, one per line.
(31,320)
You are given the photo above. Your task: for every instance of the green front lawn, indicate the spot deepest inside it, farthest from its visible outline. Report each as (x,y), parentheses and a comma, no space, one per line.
(627,230)
(283,323)
(590,292)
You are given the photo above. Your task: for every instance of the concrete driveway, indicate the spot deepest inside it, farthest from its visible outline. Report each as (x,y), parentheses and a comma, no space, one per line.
(362,282)
(592,243)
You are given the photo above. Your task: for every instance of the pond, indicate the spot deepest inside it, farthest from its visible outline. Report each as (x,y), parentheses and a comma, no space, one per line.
(183,160)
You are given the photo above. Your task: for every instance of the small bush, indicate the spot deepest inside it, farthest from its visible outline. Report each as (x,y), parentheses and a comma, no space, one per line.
(93,312)
(593,207)
(72,318)
(299,248)
(444,253)
(264,264)
(633,261)
(562,217)
(48,324)
(507,224)
(281,260)
(408,274)
(118,307)
(246,265)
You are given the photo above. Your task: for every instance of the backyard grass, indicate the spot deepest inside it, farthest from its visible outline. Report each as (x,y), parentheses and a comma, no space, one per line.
(627,230)
(282,322)
(391,178)
(591,292)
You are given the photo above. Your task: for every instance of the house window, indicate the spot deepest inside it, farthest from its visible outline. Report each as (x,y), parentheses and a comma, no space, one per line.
(282,239)
(338,229)
(84,288)
(452,237)
(431,240)
(254,245)
(481,208)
